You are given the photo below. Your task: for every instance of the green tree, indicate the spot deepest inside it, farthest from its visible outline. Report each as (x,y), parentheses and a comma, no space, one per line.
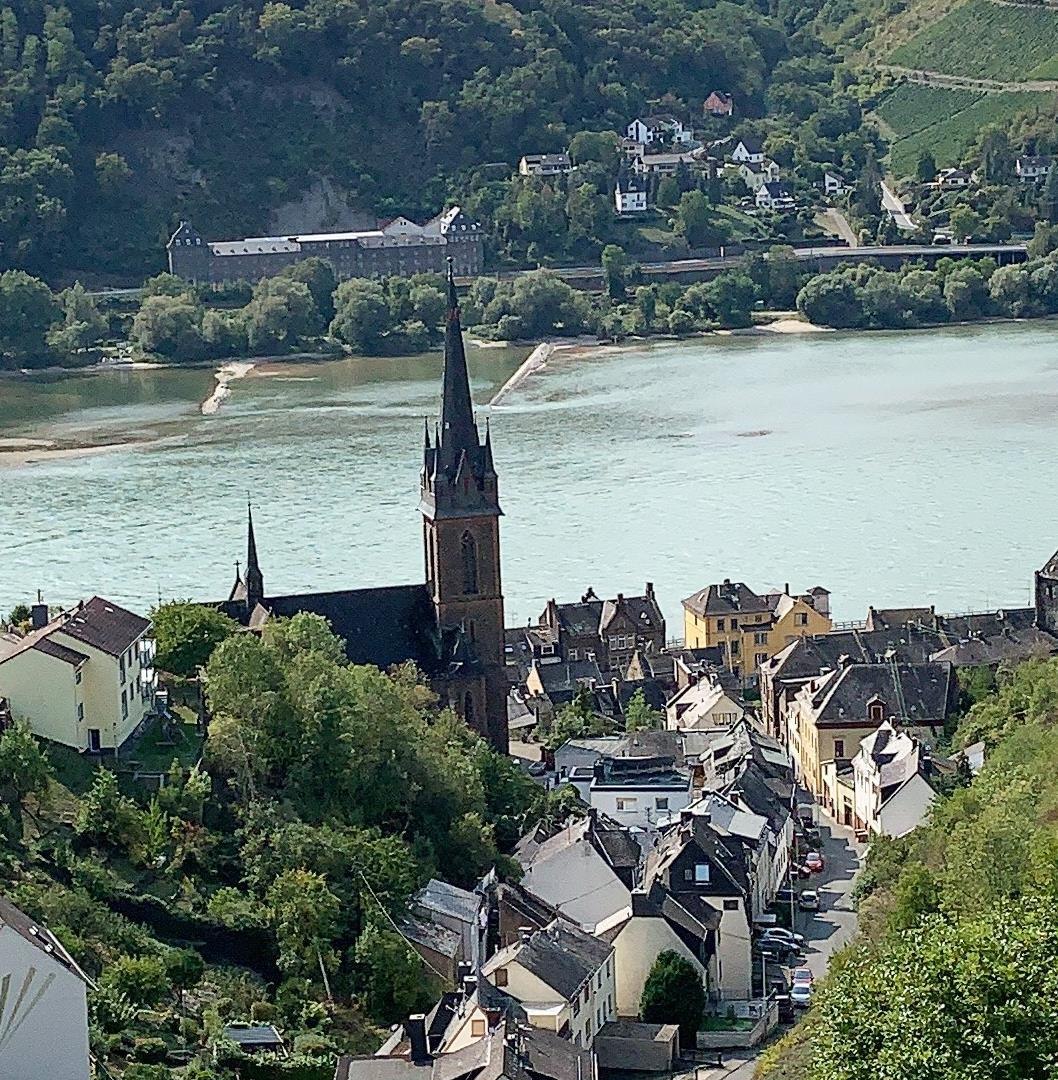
(394,981)
(104,814)
(945,1000)
(966,293)
(731,297)
(614,268)
(361,316)
(83,325)
(965,223)
(926,168)
(281,315)
(831,300)
(694,220)
(639,716)
(170,327)
(24,769)
(577,720)
(142,979)
(28,310)
(668,192)
(602,147)
(673,994)
(186,634)
(304,914)
(428,305)
(318,275)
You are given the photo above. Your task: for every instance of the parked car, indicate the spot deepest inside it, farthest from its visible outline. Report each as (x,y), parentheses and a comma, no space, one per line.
(803,976)
(814,862)
(809,900)
(778,933)
(801,995)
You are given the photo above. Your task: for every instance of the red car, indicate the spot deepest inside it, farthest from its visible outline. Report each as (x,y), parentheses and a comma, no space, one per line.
(814,862)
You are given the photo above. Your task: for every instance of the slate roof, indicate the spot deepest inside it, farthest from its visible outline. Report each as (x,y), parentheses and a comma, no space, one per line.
(751,143)
(776,189)
(730,598)
(255,1035)
(693,920)
(439,897)
(927,691)
(698,832)
(382,626)
(561,956)
(59,652)
(105,626)
(39,936)
(1012,646)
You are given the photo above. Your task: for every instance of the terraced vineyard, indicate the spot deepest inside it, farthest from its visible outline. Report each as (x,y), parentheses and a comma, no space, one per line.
(982,39)
(945,122)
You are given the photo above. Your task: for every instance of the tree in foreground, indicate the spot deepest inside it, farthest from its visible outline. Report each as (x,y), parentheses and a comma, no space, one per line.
(674,994)
(946,1000)
(186,635)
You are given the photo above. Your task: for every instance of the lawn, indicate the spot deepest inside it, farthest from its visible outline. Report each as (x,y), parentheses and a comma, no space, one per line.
(155,751)
(946,122)
(981,39)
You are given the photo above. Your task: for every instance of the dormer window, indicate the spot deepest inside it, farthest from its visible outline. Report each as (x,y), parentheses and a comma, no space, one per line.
(876,712)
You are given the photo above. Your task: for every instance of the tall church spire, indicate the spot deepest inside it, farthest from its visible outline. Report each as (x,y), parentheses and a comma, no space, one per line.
(458,430)
(254,577)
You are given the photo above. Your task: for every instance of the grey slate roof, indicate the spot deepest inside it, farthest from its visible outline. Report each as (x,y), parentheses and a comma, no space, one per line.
(563,957)
(105,626)
(927,692)
(730,598)
(39,936)
(59,652)
(383,626)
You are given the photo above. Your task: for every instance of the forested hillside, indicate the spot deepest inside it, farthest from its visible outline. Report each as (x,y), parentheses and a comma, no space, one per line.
(117,117)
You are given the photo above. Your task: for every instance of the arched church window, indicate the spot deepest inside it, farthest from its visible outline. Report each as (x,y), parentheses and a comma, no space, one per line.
(469,551)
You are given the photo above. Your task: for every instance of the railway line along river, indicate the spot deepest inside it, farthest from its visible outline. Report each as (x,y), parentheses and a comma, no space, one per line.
(891,468)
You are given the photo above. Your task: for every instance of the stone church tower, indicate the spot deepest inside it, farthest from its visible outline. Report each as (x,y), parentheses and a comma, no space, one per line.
(461,537)
(1047,596)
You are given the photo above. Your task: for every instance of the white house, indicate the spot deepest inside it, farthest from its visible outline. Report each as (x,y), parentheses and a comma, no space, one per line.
(834,183)
(774,195)
(660,127)
(43,1003)
(544,164)
(580,871)
(1032,168)
(950,179)
(85,678)
(630,194)
(756,173)
(657,921)
(663,163)
(747,149)
(704,704)
(892,791)
(562,977)
(639,792)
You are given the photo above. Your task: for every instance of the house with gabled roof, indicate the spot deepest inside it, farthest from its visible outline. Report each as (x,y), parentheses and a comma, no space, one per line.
(718,104)
(832,713)
(695,864)
(562,977)
(85,678)
(892,779)
(43,1003)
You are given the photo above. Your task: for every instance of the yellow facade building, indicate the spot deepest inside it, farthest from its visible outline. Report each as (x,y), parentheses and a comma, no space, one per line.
(748,627)
(84,679)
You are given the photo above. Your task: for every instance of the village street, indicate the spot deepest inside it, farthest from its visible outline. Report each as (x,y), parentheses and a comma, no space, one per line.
(827,930)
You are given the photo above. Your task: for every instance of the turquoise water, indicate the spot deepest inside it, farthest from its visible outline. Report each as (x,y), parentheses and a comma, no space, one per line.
(891,468)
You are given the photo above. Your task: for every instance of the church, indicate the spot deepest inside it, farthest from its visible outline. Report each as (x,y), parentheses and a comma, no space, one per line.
(451,626)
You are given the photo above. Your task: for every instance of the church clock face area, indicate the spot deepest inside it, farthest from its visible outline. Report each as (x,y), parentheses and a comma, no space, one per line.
(450,626)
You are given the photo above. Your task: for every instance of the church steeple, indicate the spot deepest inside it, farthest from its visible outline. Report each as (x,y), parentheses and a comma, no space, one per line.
(254,577)
(458,430)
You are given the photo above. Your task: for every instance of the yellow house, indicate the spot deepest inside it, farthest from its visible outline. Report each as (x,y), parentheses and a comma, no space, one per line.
(84,679)
(831,715)
(750,628)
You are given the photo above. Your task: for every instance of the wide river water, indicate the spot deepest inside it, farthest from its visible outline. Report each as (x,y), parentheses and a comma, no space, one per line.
(908,468)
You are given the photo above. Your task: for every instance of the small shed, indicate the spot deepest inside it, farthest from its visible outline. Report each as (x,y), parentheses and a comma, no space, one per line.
(255,1038)
(633,1046)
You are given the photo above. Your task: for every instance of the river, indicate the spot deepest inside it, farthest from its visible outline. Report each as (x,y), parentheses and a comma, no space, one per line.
(903,468)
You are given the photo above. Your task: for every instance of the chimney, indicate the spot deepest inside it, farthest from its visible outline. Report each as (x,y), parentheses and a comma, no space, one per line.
(686,816)
(650,590)
(786,588)
(38,613)
(524,934)
(620,597)
(470,985)
(598,771)
(416,1029)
